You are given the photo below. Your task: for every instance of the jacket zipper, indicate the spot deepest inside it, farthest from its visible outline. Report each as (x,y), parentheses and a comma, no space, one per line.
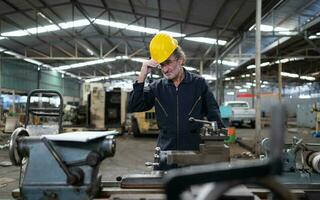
(194,105)
(162,107)
(177,118)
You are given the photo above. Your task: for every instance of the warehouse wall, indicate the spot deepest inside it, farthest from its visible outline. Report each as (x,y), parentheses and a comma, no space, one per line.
(23,76)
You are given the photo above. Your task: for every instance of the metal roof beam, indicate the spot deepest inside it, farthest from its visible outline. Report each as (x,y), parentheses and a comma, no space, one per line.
(164,18)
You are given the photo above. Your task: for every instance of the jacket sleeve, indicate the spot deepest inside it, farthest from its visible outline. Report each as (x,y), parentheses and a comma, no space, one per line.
(140,98)
(211,106)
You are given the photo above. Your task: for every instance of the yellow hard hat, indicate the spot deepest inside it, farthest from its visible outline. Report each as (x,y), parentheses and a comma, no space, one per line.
(162,46)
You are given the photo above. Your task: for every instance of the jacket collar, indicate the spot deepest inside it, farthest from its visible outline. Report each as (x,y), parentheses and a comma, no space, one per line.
(187,77)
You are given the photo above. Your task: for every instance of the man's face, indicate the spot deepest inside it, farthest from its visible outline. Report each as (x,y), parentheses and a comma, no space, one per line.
(171,67)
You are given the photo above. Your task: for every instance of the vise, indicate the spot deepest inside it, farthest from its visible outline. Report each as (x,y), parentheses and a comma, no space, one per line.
(62,166)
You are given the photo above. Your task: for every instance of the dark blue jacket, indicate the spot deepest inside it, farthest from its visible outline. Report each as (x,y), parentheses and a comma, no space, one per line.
(174,106)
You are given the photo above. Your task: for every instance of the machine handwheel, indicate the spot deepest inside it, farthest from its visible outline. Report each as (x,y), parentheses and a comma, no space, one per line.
(14,155)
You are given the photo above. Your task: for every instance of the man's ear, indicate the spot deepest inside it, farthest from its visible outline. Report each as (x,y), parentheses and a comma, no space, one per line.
(181,61)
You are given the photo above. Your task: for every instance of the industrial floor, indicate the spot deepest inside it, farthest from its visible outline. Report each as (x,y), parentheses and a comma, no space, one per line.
(131,154)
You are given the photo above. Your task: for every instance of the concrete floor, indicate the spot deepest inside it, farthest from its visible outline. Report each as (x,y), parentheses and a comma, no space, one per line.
(131,154)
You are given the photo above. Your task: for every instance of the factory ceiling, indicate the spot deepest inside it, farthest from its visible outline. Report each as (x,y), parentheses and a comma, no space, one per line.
(90,39)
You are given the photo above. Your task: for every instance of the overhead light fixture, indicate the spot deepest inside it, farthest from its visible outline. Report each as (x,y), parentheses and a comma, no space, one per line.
(74,24)
(18,33)
(237,87)
(44,17)
(208,77)
(13,54)
(122,57)
(268,28)
(251,67)
(190,68)
(83,64)
(119,25)
(226,62)
(33,61)
(206,40)
(110,23)
(174,34)
(142,29)
(120,75)
(141,60)
(90,51)
(291,75)
(309,78)
(230,93)
(265,64)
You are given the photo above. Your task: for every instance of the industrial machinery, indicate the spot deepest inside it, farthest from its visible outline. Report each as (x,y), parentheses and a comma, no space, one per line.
(57,166)
(107,109)
(43,112)
(144,123)
(61,166)
(211,150)
(74,164)
(301,163)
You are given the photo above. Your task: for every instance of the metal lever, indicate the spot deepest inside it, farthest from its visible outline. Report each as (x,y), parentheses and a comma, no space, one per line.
(74,175)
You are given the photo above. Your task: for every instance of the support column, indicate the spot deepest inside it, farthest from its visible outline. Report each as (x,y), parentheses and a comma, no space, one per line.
(201,67)
(280,82)
(258,74)
(13,101)
(1,109)
(217,71)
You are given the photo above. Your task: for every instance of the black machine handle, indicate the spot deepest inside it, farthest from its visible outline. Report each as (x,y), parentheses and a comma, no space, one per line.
(50,112)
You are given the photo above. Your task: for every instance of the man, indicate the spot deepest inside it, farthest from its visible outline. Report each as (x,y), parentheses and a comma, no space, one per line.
(176,97)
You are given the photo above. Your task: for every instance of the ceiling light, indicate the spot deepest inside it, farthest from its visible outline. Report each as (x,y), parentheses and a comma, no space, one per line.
(13,54)
(33,61)
(208,77)
(309,78)
(122,57)
(174,34)
(74,24)
(230,93)
(226,62)
(15,33)
(139,59)
(142,29)
(190,68)
(44,17)
(206,40)
(237,87)
(131,73)
(90,51)
(289,75)
(251,67)
(83,64)
(265,64)
(110,23)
